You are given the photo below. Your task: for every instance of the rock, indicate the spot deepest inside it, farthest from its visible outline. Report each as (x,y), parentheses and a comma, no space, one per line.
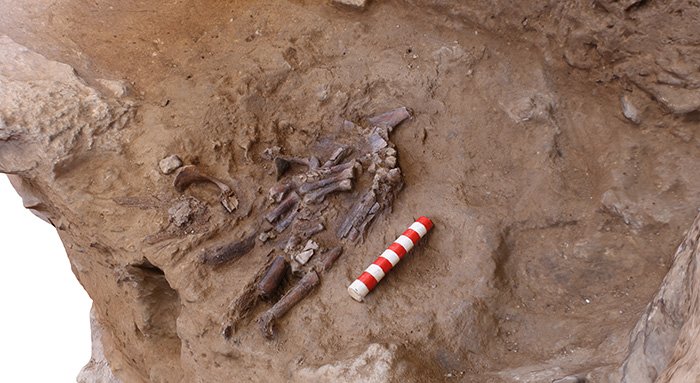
(169,164)
(358,4)
(97,370)
(48,115)
(570,379)
(183,211)
(375,365)
(665,343)
(629,110)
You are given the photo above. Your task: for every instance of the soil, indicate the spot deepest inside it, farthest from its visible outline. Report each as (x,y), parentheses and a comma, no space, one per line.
(555,215)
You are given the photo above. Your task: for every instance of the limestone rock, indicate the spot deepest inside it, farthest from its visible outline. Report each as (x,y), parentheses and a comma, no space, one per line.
(666,340)
(169,164)
(97,370)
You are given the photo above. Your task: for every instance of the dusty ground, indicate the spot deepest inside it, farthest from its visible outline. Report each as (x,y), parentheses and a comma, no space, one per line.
(556,216)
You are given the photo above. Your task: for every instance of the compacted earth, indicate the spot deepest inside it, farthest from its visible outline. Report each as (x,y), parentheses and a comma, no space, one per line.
(554,146)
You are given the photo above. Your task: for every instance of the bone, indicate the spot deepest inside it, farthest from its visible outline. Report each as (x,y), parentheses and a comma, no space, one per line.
(311,163)
(284,223)
(362,229)
(357,214)
(377,142)
(338,156)
(303,257)
(272,278)
(244,303)
(286,303)
(189,175)
(319,194)
(229,252)
(329,257)
(307,232)
(391,118)
(287,204)
(334,178)
(278,191)
(281,167)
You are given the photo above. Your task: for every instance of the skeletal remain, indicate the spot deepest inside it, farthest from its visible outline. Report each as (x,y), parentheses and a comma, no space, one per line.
(329,258)
(362,229)
(306,253)
(239,309)
(377,142)
(319,194)
(229,252)
(189,175)
(281,166)
(265,236)
(334,178)
(284,223)
(272,278)
(287,204)
(311,163)
(358,213)
(338,156)
(304,256)
(307,232)
(278,191)
(289,300)
(391,118)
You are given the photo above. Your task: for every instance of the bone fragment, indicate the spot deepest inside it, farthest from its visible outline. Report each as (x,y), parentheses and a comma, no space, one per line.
(329,257)
(278,191)
(189,175)
(334,178)
(289,300)
(281,167)
(229,252)
(319,194)
(306,253)
(391,118)
(272,278)
(284,223)
(357,214)
(338,156)
(287,204)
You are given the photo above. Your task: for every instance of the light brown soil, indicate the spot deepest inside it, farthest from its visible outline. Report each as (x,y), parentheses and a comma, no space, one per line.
(556,217)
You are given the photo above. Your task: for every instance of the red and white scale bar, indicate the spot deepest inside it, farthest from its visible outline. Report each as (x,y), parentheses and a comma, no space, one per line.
(389,258)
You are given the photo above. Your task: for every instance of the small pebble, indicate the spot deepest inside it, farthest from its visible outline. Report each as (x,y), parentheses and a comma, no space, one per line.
(169,164)
(629,110)
(359,4)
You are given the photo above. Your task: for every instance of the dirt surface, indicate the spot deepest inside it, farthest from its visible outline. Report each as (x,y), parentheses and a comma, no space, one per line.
(556,216)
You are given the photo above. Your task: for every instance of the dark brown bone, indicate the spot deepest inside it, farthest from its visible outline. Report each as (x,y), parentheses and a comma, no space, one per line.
(241,307)
(272,278)
(287,204)
(357,215)
(319,194)
(189,175)
(226,253)
(329,257)
(289,300)
(284,223)
(390,118)
(281,166)
(334,178)
(312,163)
